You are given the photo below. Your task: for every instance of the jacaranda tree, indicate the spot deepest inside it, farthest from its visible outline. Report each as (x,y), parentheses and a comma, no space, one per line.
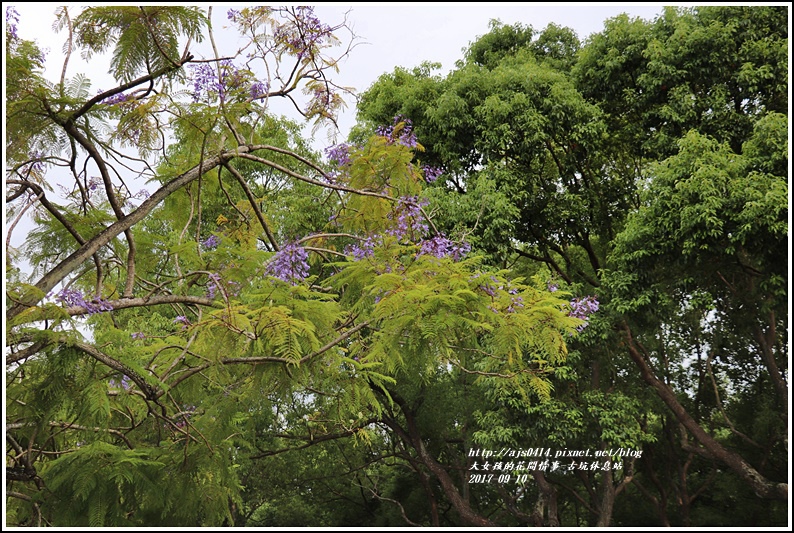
(200,291)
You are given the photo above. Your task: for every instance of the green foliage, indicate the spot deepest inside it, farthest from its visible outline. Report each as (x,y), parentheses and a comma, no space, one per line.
(501,41)
(144,39)
(646,167)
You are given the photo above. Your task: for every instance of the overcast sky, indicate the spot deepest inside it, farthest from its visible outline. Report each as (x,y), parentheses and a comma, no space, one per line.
(390,34)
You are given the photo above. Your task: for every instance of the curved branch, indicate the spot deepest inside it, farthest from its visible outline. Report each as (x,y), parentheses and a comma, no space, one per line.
(312,440)
(252,200)
(39,192)
(24,353)
(269,359)
(327,185)
(711,448)
(129,85)
(149,392)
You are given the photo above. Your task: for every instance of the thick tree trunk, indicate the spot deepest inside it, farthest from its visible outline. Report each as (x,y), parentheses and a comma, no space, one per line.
(547,499)
(461,506)
(607,500)
(413,438)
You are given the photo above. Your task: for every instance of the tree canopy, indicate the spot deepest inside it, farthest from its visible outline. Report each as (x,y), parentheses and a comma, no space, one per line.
(559,246)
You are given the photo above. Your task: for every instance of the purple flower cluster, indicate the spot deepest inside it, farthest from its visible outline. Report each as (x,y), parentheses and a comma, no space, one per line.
(116,99)
(259,90)
(440,246)
(411,223)
(143,194)
(289,264)
(432,173)
(211,242)
(126,383)
(182,319)
(212,286)
(487,288)
(94,182)
(184,415)
(304,34)
(72,298)
(582,308)
(12,19)
(207,82)
(216,282)
(553,287)
(138,335)
(400,132)
(491,289)
(366,248)
(338,154)
(516,302)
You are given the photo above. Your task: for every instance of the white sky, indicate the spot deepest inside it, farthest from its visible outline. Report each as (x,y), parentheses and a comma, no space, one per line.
(391,34)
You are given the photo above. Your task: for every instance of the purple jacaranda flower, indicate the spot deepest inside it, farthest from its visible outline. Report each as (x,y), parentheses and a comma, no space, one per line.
(126,383)
(440,246)
(207,82)
(432,173)
(411,223)
(94,182)
(400,132)
(116,99)
(12,19)
(182,319)
(211,242)
(259,90)
(488,289)
(304,34)
(339,154)
(73,297)
(365,248)
(289,264)
(516,302)
(213,285)
(582,308)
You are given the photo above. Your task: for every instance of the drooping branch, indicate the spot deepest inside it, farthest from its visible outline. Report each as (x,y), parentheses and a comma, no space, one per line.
(149,392)
(271,359)
(327,185)
(711,449)
(311,440)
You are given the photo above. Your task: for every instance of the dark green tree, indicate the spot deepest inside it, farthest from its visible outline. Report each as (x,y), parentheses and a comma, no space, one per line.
(635,172)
